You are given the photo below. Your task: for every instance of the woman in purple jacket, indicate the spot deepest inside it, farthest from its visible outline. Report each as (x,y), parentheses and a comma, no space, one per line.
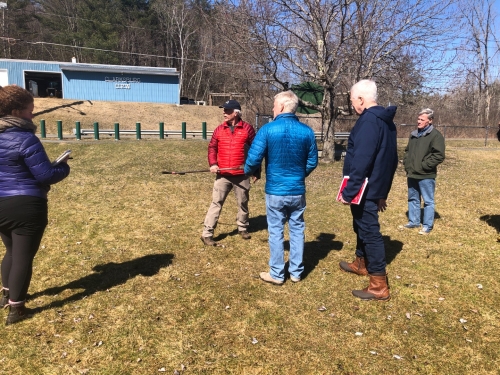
(26,174)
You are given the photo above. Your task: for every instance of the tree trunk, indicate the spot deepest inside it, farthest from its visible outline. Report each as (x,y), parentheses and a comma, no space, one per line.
(328,115)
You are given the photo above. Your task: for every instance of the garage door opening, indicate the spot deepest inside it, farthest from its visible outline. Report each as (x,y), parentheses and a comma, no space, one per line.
(43,85)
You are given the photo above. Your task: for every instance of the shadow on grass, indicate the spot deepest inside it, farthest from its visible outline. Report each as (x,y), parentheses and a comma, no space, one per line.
(258,223)
(62,106)
(492,221)
(255,224)
(106,277)
(316,250)
(436,215)
(392,248)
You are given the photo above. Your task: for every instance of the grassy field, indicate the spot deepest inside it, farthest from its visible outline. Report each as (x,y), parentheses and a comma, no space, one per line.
(124,285)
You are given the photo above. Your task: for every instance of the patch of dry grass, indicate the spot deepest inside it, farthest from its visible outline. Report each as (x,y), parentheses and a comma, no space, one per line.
(127,114)
(125,286)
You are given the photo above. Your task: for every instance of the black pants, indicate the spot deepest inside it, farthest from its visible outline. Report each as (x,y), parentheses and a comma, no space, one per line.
(22,222)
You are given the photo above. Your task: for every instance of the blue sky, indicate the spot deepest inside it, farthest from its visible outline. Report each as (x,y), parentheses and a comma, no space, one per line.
(447,78)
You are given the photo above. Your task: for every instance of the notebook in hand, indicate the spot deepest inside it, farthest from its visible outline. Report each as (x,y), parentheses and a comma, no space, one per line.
(61,157)
(357,198)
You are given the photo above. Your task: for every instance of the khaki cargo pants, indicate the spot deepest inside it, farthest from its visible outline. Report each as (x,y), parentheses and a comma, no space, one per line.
(222,186)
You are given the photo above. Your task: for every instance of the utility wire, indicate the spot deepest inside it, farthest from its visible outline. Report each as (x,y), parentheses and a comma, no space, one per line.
(10,40)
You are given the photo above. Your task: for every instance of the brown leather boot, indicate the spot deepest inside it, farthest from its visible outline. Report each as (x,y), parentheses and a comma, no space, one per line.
(377,290)
(244,234)
(358,266)
(209,241)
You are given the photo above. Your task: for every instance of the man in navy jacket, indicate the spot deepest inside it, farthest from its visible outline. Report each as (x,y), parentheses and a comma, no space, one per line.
(371,153)
(289,147)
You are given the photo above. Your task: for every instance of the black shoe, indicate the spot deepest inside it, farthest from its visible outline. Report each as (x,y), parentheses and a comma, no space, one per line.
(18,313)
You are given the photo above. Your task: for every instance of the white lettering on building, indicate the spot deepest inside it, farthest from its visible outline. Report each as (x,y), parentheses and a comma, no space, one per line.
(122,79)
(122,82)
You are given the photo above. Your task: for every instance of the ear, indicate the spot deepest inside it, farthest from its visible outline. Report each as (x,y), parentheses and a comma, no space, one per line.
(15,112)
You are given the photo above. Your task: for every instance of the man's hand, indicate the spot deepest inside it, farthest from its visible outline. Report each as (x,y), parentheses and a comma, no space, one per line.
(214,168)
(382,205)
(254,179)
(343,201)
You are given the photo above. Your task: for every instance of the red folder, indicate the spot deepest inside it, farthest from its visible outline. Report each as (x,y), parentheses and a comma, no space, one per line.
(357,198)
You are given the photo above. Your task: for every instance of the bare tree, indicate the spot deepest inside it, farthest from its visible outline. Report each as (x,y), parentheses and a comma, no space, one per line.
(479,49)
(334,43)
(178,21)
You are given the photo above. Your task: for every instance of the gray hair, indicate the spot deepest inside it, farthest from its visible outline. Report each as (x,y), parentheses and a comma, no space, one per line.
(366,89)
(238,112)
(289,100)
(427,111)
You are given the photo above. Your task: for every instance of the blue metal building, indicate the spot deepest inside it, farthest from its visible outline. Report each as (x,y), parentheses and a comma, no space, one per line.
(92,81)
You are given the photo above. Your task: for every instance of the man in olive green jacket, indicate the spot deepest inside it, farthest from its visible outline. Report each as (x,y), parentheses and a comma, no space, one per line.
(425,150)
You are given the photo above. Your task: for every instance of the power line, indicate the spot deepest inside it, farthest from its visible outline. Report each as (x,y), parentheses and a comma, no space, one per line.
(10,40)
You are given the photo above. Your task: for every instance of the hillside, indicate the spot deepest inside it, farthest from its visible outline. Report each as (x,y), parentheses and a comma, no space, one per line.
(126,114)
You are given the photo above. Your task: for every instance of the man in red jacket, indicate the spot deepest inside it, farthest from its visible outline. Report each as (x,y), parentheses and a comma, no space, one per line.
(226,156)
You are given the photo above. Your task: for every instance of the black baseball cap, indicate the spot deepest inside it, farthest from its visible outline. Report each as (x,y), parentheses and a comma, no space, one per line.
(231,104)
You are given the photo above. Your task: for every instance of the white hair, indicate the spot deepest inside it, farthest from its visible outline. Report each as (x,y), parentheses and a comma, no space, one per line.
(366,89)
(427,111)
(289,100)
(238,112)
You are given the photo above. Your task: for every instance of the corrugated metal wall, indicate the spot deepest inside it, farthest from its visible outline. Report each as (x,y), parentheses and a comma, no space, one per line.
(121,87)
(16,69)
(80,85)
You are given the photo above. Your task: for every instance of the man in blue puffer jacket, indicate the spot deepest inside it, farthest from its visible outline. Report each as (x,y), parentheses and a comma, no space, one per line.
(371,153)
(289,147)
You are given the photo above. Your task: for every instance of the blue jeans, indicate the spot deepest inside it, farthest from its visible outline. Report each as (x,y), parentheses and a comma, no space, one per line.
(369,241)
(424,189)
(281,209)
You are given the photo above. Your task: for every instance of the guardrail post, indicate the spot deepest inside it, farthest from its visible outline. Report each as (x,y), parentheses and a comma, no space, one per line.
(96,131)
(43,132)
(137,130)
(78,131)
(117,131)
(204,130)
(162,130)
(183,130)
(59,130)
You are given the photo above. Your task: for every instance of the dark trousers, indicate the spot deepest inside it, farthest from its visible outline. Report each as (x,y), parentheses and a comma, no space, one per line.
(22,222)
(370,244)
